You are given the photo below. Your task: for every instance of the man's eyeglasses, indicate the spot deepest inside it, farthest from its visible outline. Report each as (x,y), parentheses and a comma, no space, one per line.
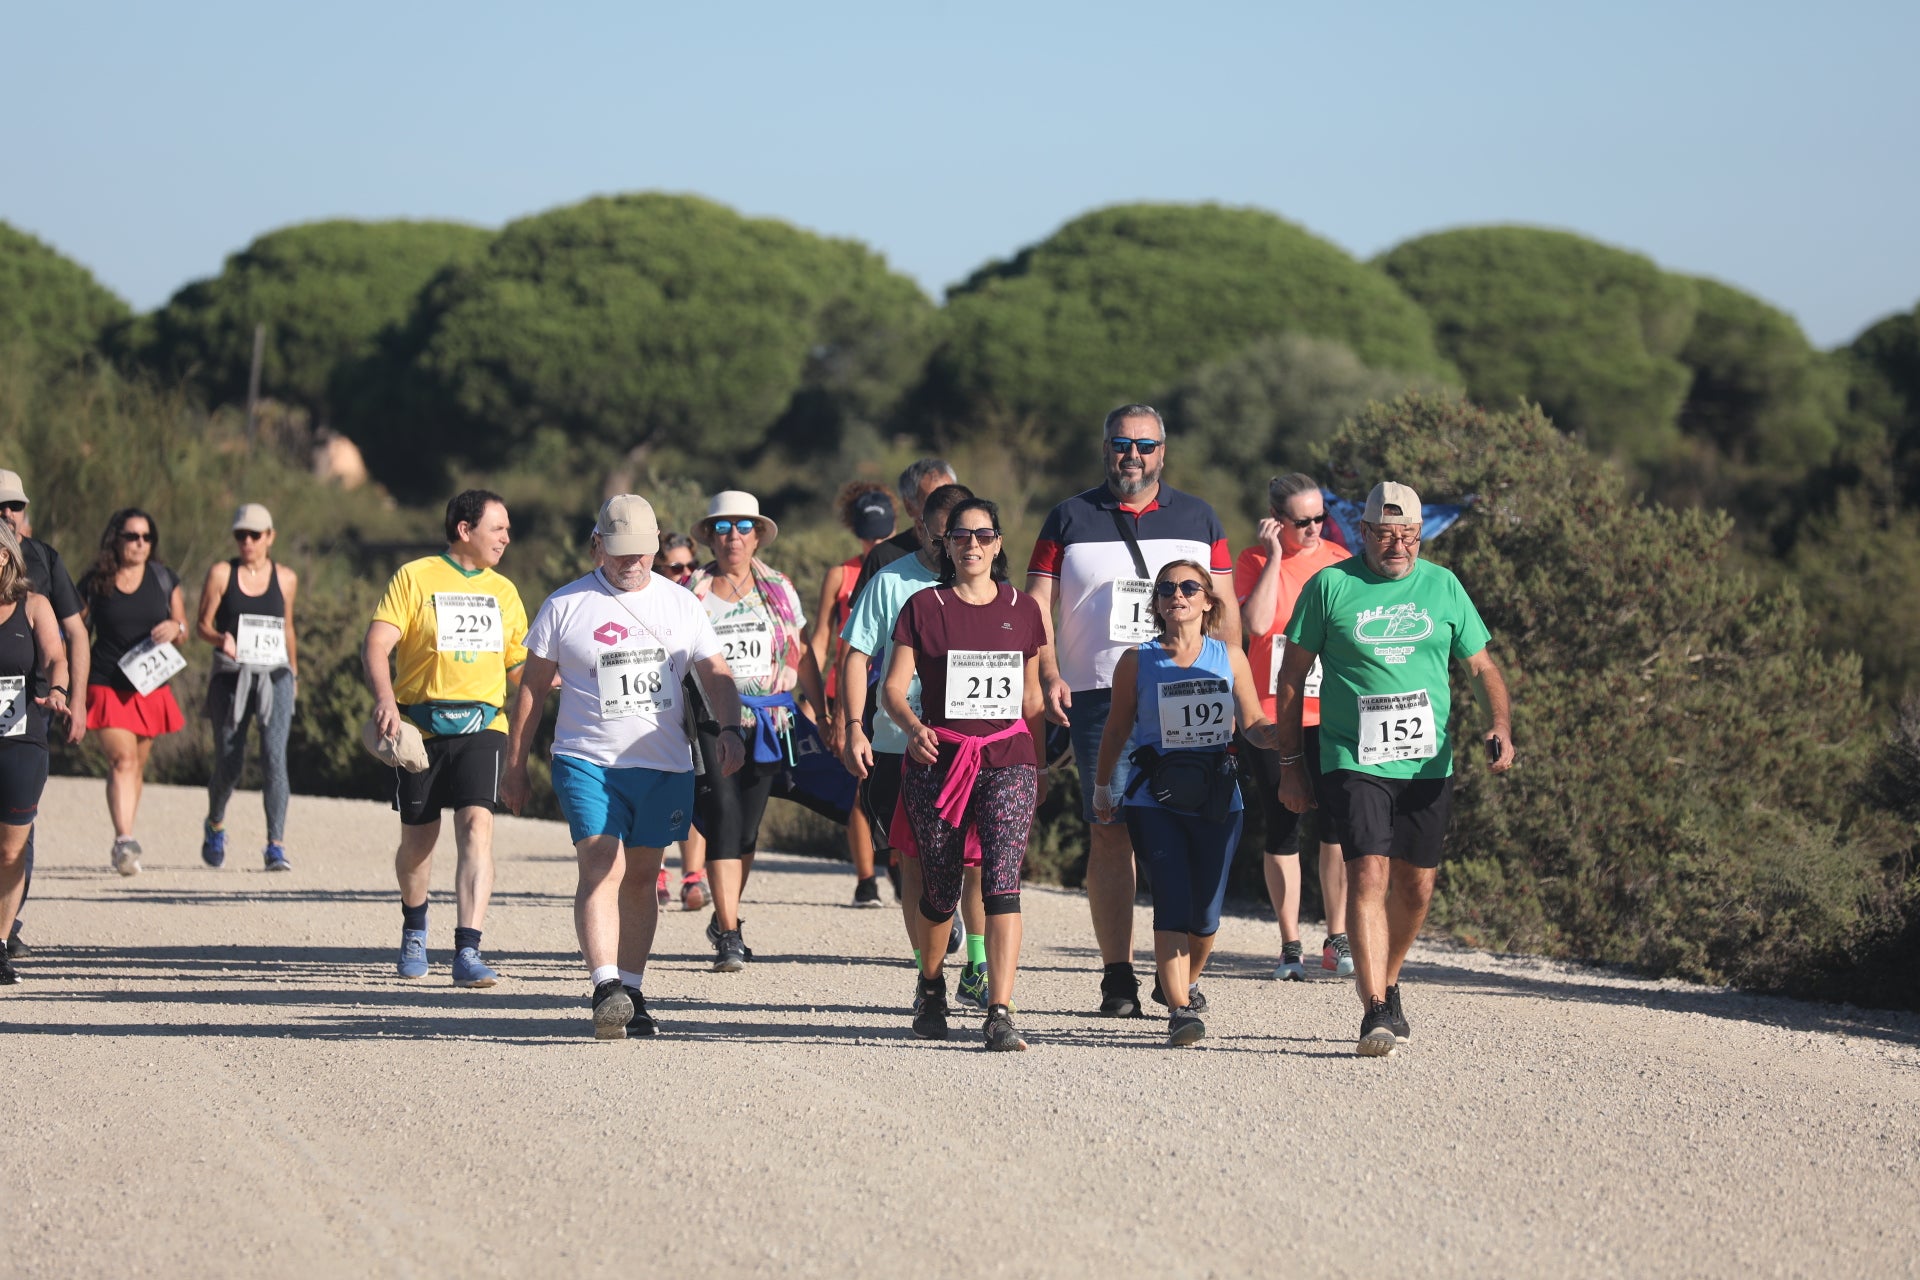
(744,528)
(1405,534)
(958,537)
(1186,587)
(128,535)
(1301,524)
(1146,448)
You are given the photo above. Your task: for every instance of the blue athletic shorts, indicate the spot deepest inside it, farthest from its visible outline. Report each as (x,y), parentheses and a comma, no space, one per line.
(642,807)
(1087,722)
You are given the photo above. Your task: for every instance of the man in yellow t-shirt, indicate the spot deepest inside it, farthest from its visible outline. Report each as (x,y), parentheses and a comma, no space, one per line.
(455,632)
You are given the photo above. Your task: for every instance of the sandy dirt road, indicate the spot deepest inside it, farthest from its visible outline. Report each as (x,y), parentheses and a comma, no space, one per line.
(216,1073)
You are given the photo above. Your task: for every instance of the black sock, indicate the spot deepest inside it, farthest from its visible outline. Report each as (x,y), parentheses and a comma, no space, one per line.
(413,917)
(464,937)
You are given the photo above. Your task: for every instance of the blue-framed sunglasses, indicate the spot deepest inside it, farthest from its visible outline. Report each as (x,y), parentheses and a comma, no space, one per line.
(741,527)
(1121,444)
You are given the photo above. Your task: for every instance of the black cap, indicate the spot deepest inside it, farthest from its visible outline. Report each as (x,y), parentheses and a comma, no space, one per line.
(872,515)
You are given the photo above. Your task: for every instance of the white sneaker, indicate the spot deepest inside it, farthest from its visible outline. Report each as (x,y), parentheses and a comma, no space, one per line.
(1289,971)
(126,856)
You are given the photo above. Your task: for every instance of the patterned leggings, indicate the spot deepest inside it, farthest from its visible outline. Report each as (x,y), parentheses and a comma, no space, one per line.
(1001,811)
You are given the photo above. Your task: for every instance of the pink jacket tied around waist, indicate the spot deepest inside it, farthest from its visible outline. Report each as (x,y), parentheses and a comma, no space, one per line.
(954,793)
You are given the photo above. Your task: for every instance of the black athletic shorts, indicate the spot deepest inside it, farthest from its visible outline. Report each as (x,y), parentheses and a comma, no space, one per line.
(879,792)
(23,776)
(462,771)
(1404,818)
(1260,784)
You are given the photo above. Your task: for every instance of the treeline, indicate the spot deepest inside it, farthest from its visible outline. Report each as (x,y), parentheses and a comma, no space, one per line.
(1707,701)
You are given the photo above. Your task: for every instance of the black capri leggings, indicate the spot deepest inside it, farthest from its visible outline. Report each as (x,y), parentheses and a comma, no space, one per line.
(730,808)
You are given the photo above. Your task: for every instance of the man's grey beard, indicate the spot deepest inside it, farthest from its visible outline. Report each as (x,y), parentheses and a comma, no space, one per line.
(1129,486)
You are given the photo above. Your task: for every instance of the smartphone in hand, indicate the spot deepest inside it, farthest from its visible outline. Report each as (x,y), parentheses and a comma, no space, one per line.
(1493,750)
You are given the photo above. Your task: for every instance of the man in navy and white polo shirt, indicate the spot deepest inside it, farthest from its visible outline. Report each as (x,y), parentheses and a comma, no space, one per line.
(621,640)
(1098,553)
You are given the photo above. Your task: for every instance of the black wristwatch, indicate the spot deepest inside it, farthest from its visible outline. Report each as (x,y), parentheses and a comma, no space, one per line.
(59,689)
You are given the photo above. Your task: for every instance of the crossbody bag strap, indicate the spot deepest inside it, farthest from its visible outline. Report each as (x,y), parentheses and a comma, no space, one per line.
(1133,543)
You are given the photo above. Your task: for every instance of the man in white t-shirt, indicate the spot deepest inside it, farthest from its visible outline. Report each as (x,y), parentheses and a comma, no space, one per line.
(621,641)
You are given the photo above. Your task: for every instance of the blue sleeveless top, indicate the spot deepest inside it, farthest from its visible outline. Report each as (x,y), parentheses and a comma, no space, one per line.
(1198,701)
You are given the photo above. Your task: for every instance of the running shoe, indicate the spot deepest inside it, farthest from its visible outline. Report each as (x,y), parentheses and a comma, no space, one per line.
(866,892)
(713,936)
(1337,954)
(612,1009)
(661,890)
(930,1019)
(1119,991)
(1195,1000)
(1401,1031)
(1184,1027)
(729,953)
(16,945)
(1289,970)
(641,1023)
(7,976)
(1001,1035)
(972,989)
(693,891)
(1376,1032)
(413,954)
(276,856)
(213,843)
(126,855)
(469,970)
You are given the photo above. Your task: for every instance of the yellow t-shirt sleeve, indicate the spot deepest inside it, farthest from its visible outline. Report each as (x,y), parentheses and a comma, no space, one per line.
(401,601)
(513,623)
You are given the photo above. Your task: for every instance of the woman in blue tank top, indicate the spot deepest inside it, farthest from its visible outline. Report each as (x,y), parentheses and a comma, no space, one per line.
(1176,699)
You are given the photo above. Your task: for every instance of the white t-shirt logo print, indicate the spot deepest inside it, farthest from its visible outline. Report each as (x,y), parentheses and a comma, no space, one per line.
(611,633)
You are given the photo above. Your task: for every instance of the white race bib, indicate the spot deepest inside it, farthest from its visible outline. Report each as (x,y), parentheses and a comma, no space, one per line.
(260,641)
(1309,688)
(149,665)
(1397,726)
(747,644)
(468,623)
(1131,621)
(633,681)
(985,684)
(1196,713)
(13,706)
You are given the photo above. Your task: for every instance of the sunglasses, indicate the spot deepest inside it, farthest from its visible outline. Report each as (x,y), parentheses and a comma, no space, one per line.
(128,535)
(1186,587)
(958,537)
(13,508)
(679,568)
(247,535)
(1301,524)
(1146,448)
(741,527)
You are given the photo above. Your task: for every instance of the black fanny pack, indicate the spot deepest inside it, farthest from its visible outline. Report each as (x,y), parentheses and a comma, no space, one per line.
(1196,782)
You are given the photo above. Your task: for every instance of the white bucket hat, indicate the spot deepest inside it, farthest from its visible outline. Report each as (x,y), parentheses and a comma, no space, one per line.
(735,504)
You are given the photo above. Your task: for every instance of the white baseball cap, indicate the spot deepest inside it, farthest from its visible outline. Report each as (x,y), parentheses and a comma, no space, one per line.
(1388,494)
(627,526)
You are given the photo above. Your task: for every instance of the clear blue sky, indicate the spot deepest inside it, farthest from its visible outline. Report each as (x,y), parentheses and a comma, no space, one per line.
(1771,145)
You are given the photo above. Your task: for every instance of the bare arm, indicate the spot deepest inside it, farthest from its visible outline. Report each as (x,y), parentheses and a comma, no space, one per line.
(174,629)
(210,594)
(922,744)
(1058,696)
(716,682)
(1256,613)
(820,638)
(53,656)
(1259,730)
(1296,785)
(79,666)
(374,655)
(855,751)
(1229,610)
(1490,691)
(1120,715)
(524,710)
(289,587)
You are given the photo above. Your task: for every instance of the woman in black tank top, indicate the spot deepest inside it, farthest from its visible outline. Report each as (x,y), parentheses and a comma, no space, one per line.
(130,597)
(246,614)
(30,648)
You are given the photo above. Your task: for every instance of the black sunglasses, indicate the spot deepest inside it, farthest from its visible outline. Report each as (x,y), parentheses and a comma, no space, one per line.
(958,537)
(683,567)
(13,508)
(1301,524)
(247,535)
(128,535)
(1121,444)
(1186,587)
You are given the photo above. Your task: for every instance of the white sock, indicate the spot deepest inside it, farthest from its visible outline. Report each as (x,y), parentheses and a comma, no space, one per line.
(605,973)
(629,978)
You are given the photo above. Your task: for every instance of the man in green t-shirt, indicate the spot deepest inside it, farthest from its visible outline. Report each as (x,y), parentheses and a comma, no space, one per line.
(1385,625)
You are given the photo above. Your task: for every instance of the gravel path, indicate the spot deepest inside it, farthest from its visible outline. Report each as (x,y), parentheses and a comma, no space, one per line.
(216,1073)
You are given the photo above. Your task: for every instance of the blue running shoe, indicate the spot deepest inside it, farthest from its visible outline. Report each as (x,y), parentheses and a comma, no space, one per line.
(973,986)
(469,970)
(413,954)
(277,858)
(213,844)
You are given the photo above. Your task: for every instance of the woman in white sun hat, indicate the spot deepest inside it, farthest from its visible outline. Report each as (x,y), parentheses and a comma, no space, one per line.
(761,625)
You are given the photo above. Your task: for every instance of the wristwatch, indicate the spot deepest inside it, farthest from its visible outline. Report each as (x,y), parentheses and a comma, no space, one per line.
(737,730)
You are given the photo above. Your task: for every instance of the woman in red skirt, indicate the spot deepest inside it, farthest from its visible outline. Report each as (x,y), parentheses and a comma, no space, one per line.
(137,614)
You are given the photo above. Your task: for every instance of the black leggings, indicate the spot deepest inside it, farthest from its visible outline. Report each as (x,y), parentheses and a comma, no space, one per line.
(730,808)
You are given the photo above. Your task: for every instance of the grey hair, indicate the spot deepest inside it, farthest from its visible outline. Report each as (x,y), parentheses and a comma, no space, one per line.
(1126,411)
(1291,485)
(910,478)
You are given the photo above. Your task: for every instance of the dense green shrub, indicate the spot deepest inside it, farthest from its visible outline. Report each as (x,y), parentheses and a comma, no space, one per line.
(325,291)
(50,305)
(1687,797)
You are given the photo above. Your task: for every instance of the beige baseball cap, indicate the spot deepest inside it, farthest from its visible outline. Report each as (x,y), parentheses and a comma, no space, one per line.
(1388,494)
(626,526)
(253,518)
(407,750)
(11,490)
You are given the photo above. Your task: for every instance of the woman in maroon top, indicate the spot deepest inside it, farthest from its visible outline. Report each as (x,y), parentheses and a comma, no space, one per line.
(972,770)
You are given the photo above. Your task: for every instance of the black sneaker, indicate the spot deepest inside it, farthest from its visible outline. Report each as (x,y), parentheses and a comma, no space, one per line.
(866,892)
(729,953)
(1195,1000)
(713,934)
(1376,1032)
(1184,1027)
(1401,1031)
(612,1007)
(641,1023)
(1000,1033)
(1119,991)
(17,946)
(7,976)
(930,1018)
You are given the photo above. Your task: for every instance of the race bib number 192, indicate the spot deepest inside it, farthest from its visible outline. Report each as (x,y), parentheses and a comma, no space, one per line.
(1196,713)
(468,623)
